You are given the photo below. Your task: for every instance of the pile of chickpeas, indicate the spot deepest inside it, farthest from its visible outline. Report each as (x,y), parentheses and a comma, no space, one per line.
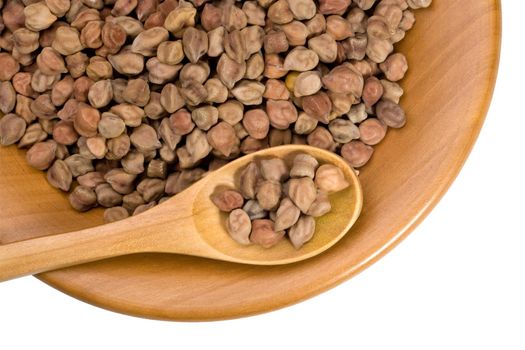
(125,103)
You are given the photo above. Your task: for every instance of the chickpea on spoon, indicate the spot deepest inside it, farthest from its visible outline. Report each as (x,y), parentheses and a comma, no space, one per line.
(189,223)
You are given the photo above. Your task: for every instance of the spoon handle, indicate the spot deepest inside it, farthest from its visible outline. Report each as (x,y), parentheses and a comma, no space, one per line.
(166,228)
(53,252)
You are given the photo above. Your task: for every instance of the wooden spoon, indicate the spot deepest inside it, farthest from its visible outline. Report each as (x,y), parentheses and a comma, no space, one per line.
(188,223)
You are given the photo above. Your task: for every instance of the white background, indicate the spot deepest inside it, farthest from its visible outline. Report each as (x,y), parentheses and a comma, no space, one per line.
(457,282)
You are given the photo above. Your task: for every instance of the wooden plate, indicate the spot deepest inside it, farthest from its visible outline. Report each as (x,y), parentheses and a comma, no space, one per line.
(453,53)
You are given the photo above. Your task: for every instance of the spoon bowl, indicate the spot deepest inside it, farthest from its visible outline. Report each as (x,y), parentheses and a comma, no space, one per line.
(330,228)
(188,223)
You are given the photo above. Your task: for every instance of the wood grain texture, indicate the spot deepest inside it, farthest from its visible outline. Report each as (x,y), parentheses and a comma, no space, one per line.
(453,53)
(189,223)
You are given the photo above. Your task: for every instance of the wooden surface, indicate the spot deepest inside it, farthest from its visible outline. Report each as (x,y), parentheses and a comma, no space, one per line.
(453,54)
(188,223)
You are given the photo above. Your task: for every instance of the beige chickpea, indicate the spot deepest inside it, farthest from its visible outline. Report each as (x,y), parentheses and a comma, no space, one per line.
(115,214)
(395,67)
(333,7)
(355,47)
(62,91)
(378,49)
(325,47)
(9,66)
(59,175)
(231,111)
(81,88)
(25,40)
(99,68)
(343,131)
(64,133)
(215,42)
(274,169)
(86,120)
(302,9)
(38,17)
(69,110)
(58,7)
(160,73)
(131,115)
(144,138)
(100,93)
(229,71)
(193,92)
(344,79)
(276,90)
(79,165)
(301,59)
(255,14)
(181,122)
(120,181)
(222,138)
(302,231)
(198,72)
(307,83)
(390,113)
(85,16)
(182,16)
(197,145)
(146,42)
(67,41)
(210,16)
(154,109)
(114,34)
(249,92)
(329,178)
(268,194)
(12,128)
(43,107)
(239,226)
(296,33)
(391,91)
(274,66)
(302,192)
(316,25)
(321,138)
(275,42)
(76,64)
(233,18)
(7,97)
(123,7)
(22,84)
(279,12)
(281,113)
(253,38)
(23,108)
(254,67)
(217,91)
(304,165)
(205,117)
(194,43)
(318,106)
(170,52)
(305,124)
(127,62)
(91,35)
(235,46)
(137,92)
(338,27)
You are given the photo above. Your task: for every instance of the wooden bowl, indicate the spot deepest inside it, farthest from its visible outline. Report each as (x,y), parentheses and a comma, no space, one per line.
(453,54)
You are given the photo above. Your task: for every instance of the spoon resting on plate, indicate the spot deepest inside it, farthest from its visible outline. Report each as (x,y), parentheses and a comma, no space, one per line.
(188,223)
